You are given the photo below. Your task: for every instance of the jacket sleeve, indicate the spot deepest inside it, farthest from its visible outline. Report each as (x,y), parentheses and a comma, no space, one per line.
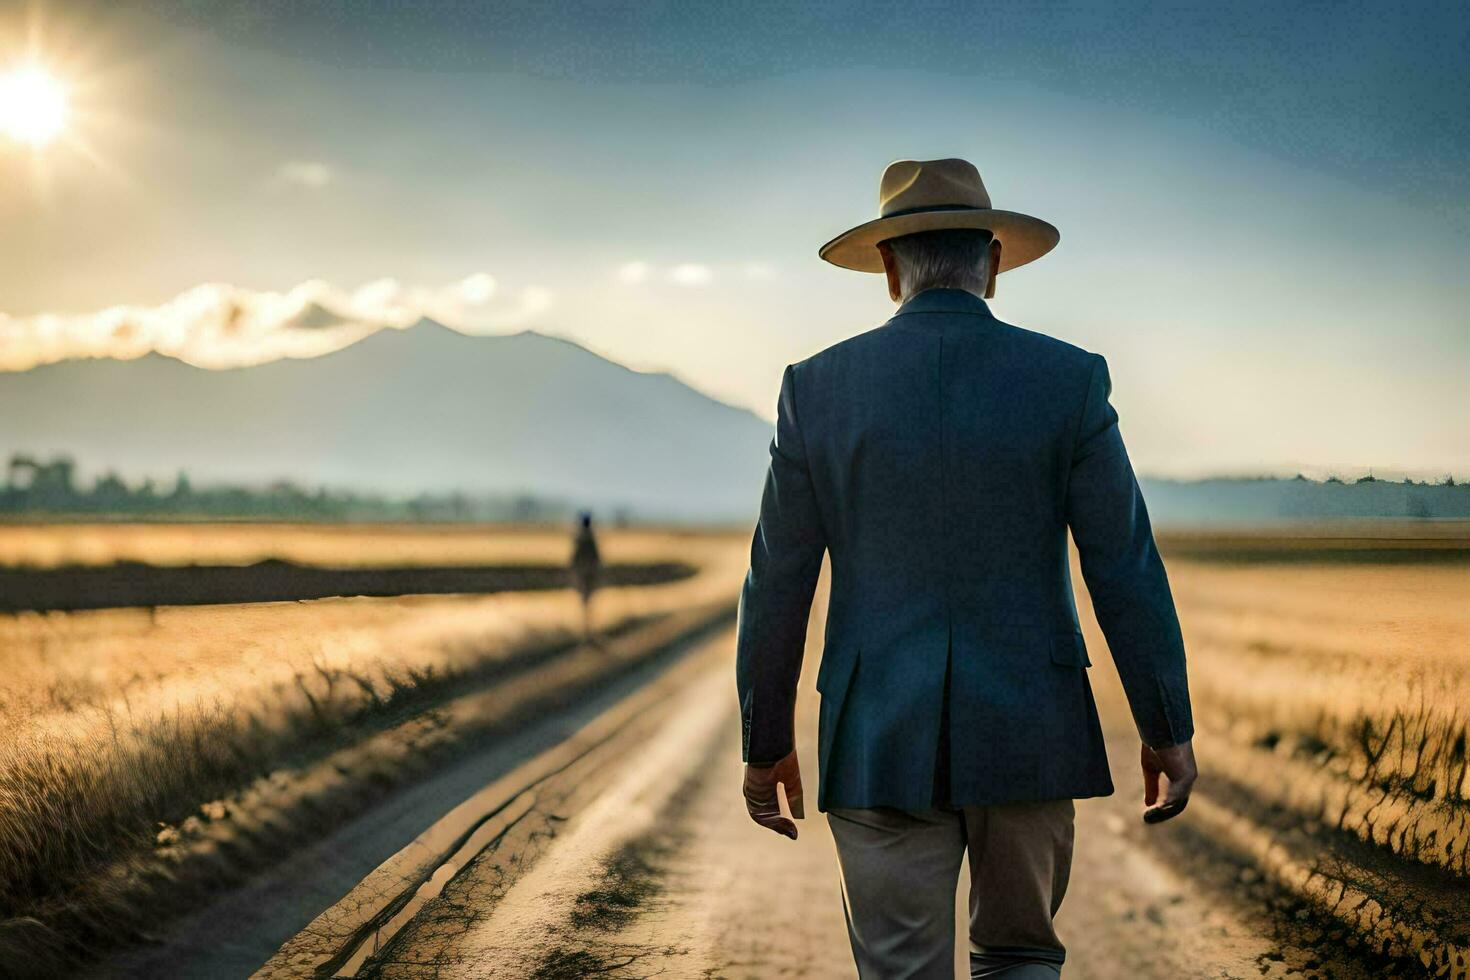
(775,602)
(1124,574)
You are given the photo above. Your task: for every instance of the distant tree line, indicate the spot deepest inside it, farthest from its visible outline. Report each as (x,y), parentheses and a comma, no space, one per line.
(49,488)
(1273,498)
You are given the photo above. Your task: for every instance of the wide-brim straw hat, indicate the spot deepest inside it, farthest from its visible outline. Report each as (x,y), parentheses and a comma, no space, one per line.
(928,195)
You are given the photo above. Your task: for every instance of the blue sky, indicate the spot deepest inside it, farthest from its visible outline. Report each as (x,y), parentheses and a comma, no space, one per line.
(1265,208)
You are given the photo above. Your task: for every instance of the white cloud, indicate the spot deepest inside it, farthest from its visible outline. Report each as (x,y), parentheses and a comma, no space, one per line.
(634,272)
(758,270)
(691,274)
(219,325)
(305,173)
(478,288)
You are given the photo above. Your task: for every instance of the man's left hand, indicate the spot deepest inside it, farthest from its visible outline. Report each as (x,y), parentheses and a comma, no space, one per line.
(761,799)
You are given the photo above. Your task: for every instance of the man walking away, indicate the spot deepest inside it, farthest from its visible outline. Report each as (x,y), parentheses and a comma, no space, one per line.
(941,459)
(586,568)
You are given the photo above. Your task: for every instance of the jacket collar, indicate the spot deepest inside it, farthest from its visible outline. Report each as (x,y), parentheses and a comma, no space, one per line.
(945,301)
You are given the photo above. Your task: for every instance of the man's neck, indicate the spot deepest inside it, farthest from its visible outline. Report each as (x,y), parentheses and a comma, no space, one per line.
(964,289)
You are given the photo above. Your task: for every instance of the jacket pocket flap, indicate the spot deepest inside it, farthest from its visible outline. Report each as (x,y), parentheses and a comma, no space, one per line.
(1069,649)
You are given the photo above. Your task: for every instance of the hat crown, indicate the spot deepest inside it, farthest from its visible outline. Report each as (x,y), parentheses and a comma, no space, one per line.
(921,185)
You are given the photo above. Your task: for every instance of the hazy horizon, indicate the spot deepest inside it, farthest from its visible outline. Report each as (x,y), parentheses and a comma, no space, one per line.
(88,468)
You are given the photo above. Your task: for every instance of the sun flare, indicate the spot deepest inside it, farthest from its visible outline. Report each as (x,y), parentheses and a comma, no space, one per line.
(33,106)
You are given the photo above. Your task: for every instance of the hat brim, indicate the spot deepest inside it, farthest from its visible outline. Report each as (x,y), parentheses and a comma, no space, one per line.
(1022,238)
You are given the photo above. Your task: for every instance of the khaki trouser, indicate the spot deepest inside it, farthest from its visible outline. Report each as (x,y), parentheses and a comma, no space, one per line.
(900,869)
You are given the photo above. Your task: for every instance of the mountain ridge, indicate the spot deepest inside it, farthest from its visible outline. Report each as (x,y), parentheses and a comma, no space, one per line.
(430,409)
(424,408)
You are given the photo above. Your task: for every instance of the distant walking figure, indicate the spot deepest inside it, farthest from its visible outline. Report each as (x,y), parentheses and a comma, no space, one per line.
(586,568)
(940,460)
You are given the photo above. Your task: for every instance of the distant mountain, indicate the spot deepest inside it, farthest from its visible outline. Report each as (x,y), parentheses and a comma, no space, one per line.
(405,411)
(429,409)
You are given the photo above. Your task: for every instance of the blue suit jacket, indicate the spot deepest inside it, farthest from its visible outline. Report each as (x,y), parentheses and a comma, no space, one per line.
(940,459)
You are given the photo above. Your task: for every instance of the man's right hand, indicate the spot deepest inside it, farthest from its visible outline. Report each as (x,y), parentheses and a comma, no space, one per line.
(1176,763)
(760,794)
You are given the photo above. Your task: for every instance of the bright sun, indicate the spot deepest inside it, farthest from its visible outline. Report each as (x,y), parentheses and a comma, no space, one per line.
(32,105)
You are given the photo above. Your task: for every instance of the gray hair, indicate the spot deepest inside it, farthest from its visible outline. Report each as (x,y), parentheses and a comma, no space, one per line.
(949,258)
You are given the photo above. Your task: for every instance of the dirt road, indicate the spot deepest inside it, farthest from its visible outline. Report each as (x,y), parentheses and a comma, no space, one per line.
(645,865)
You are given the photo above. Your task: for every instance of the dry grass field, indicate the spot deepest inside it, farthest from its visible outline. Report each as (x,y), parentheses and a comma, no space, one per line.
(122,730)
(329,545)
(1330,668)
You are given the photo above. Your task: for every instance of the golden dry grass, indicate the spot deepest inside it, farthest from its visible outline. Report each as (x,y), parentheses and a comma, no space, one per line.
(1332,699)
(334,545)
(116,723)
(1354,682)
